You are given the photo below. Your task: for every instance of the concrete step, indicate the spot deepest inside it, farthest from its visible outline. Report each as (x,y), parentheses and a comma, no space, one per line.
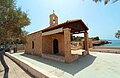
(54,57)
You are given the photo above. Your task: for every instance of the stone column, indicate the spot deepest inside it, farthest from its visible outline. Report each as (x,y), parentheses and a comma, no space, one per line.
(86,41)
(40,42)
(90,43)
(67,45)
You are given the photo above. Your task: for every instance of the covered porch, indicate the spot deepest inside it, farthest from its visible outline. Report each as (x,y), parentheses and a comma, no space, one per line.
(66,29)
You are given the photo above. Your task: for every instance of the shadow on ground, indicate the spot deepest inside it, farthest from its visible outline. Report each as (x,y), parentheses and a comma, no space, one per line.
(71,68)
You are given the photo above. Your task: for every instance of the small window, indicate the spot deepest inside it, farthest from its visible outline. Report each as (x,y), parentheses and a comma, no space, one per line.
(32,44)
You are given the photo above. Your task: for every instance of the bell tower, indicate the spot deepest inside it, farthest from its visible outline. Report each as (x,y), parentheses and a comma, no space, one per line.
(53,19)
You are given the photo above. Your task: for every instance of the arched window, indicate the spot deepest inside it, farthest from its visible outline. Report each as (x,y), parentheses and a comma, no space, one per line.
(32,44)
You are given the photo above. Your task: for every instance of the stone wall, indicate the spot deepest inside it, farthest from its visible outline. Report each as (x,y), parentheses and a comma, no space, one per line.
(43,44)
(48,43)
(20,47)
(37,39)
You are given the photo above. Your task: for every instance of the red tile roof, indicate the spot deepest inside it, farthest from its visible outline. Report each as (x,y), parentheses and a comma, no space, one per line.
(65,24)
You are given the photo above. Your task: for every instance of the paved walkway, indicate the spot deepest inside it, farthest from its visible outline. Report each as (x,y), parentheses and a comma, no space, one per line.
(95,65)
(14,70)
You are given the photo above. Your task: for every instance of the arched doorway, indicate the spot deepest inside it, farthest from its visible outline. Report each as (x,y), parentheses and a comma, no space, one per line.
(55,46)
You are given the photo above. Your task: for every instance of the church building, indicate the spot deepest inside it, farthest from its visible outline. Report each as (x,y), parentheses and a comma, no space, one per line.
(54,42)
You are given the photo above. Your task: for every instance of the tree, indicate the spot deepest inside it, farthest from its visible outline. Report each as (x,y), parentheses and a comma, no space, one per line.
(12,21)
(117,35)
(105,1)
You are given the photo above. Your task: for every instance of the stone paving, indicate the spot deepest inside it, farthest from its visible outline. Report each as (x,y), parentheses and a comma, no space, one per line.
(14,70)
(95,65)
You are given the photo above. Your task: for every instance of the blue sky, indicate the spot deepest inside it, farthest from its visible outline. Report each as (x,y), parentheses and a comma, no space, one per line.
(102,20)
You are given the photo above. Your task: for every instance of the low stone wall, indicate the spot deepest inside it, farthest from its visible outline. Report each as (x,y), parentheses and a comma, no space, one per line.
(75,57)
(20,47)
(34,70)
(102,47)
(105,49)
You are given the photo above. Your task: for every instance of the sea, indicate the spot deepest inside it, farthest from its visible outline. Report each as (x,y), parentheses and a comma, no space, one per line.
(113,43)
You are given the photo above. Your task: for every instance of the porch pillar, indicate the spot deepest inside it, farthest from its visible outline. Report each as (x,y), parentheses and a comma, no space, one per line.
(67,45)
(40,47)
(86,42)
